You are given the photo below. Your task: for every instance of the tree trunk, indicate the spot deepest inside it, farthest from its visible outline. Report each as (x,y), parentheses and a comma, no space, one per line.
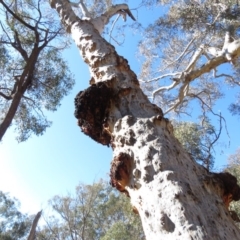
(22,85)
(5,124)
(175,197)
(32,234)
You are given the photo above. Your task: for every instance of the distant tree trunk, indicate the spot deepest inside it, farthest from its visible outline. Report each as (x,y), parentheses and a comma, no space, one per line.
(21,88)
(10,114)
(175,197)
(32,234)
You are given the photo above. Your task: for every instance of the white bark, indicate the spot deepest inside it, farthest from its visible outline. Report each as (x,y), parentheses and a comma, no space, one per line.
(170,191)
(100,21)
(175,197)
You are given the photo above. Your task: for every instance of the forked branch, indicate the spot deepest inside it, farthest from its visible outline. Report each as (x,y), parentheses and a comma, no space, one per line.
(102,20)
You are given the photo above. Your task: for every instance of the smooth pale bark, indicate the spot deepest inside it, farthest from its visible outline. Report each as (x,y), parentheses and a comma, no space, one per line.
(175,197)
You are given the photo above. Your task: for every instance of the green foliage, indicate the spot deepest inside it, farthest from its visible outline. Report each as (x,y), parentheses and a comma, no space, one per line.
(197,140)
(94,212)
(13,224)
(32,68)
(234,108)
(233,167)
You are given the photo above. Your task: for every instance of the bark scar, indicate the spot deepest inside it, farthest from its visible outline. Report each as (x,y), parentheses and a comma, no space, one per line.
(120,172)
(92,110)
(229,186)
(225,184)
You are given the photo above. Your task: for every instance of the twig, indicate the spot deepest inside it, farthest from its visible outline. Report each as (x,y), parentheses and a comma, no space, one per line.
(112,27)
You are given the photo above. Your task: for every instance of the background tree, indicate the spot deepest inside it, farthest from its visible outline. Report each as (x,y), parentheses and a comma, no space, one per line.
(183,51)
(30,81)
(13,224)
(197,140)
(94,212)
(234,168)
(174,196)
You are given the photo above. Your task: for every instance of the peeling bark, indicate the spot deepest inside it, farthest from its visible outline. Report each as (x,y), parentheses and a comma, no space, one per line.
(175,197)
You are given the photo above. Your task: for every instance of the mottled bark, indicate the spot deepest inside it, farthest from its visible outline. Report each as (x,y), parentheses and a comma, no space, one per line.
(175,197)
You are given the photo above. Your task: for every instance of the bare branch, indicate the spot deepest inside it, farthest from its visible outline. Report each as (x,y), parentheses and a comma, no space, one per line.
(216,18)
(195,57)
(18,46)
(16,16)
(112,27)
(183,92)
(174,84)
(163,76)
(5,96)
(181,55)
(100,22)
(6,32)
(84,10)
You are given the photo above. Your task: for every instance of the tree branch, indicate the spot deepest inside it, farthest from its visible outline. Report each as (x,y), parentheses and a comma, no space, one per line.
(100,22)
(5,96)
(163,76)
(16,16)
(18,46)
(174,84)
(183,91)
(194,59)
(182,54)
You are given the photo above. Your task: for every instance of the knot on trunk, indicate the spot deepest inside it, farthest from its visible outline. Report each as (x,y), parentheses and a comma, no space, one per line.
(92,109)
(229,189)
(120,171)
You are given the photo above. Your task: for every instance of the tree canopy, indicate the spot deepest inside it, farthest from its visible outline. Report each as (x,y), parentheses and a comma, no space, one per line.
(183,55)
(13,224)
(94,212)
(34,76)
(198,141)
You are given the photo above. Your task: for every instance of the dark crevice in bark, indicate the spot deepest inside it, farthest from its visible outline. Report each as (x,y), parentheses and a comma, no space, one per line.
(228,185)
(121,168)
(225,185)
(92,109)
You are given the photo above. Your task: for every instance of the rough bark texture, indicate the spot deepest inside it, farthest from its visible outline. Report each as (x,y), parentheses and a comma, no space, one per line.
(175,197)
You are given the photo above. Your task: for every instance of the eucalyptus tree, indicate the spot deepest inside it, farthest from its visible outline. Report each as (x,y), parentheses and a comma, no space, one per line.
(197,140)
(94,212)
(191,53)
(175,197)
(13,224)
(31,82)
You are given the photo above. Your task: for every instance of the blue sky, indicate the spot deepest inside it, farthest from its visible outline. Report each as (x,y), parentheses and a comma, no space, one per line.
(56,162)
